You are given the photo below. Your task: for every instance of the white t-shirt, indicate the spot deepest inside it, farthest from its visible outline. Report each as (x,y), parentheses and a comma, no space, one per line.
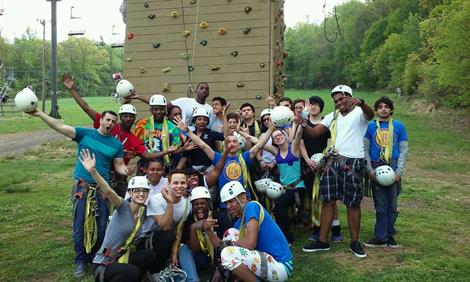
(188,105)
(350,130)
(157,206)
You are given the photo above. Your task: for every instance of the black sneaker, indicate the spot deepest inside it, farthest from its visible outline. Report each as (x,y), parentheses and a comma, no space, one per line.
(357,249)
(316,246)
(79,270)
(374,242)
(392,243)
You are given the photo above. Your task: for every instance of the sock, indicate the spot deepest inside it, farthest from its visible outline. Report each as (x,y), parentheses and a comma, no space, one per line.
(335,222)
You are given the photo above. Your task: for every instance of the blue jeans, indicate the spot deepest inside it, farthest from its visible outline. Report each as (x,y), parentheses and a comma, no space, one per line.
(190,262)
(386,213)
(78,214)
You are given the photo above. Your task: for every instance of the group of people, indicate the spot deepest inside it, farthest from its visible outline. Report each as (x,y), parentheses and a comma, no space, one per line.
(193,202)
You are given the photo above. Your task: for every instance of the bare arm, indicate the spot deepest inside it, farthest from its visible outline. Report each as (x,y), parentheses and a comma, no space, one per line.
(165,221)
(297,139)
(212,177)
(251,238)
(121,168)
(198,141)
(69,84)
(262,141)
(55,124)
(136,96)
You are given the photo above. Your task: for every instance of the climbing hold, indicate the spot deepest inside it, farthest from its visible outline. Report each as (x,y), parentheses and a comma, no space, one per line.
(214,68)
(203,25)
(258,97)
(279,63)
(240,84)
(247,30)
(262,65)
(165,70)
(146,4)
(151,16)
(248,9)
(186,33)
(156,45)
(284,77)
(222,31)
(285,54)
(234,53)
(142,69)
(166,87)
(190,68)
(130,35)
(128,59)
(174,14)
(203,42)
(193,2)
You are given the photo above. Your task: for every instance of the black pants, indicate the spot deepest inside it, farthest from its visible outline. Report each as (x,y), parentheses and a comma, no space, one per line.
(162,241)
(281,211)
(139,263)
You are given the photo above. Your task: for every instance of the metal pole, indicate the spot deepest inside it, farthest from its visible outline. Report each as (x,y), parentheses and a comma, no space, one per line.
(43,96)
(54,108)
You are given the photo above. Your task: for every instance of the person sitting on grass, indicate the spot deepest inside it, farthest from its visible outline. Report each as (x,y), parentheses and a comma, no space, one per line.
(385,143)
(256,249)
(115,261)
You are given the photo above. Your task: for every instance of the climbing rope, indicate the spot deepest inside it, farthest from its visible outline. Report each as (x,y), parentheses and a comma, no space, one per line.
(338,29)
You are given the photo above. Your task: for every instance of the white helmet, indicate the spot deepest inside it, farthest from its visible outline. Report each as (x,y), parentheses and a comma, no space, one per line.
(263,184)
(241,140)
(274,190)
(281,116)
(199,192)
(138,182)
(317,157)
(157,100)
(230,190)
(342,89)
(385,175)
(124,88)
(265,112)
(26,100)
(200,112)
(127,109)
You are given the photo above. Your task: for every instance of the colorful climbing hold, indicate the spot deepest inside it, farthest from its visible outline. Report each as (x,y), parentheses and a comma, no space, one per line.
(222,31)
(234,53)
(247,9)
(203,25)
(262,65)
(130,35)
(190,68)
(258,97)
(156,45)
(166,87)
(165,70)
(193,2)
(247,30)
(174,14)
(240,84)
(214,68)
(146,4)
(203,42)
(129,59)
(142,69)
(186,33)
(151,16)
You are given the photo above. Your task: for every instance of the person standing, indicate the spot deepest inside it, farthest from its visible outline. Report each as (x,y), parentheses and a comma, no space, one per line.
(189,105)
(385,143)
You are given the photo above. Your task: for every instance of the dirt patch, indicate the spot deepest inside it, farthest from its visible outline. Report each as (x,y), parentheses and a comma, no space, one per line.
(367,204)
(16,143)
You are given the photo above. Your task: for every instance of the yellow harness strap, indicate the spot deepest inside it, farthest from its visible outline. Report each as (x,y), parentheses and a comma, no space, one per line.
(124,258)
(179,226)
(165,137)
(90,227)
(246,176)
(385,141)
(316,202)
(204,242)
(333,129)
(242,223)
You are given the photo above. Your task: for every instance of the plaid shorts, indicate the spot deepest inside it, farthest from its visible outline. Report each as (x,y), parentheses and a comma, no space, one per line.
(343,180)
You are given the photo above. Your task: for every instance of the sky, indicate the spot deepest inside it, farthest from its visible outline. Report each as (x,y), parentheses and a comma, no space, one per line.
(99,16)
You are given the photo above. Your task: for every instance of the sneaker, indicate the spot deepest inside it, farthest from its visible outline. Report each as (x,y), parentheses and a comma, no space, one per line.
(316,246)
(80,270)
(392,243)
(374,242)
(314,236)
(357,249)
(336,234)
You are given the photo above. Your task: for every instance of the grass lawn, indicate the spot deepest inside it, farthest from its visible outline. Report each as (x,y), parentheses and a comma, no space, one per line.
(433,226)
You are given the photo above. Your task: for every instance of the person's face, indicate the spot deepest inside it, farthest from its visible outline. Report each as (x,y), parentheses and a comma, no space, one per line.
(175,112)
(315,109)
(202,91)
(278,137)
(266,119)
(139,195)
(127,120)
(247,113)
(178,184)
(285,104)
(158,112)
(154,172)
(340,102)
(193,180)
(107,123)
(217,107)
(201,122)
(231,142)
(200,208)
(384,111)
(298,108)
(233,206)
(232,124)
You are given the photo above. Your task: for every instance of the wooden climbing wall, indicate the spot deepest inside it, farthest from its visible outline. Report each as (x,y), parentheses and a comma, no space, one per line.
(234,45)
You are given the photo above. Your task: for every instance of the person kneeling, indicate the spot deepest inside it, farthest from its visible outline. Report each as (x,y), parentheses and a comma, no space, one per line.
(258,249)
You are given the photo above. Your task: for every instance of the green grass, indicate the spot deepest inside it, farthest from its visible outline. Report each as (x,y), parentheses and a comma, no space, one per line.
(433,226)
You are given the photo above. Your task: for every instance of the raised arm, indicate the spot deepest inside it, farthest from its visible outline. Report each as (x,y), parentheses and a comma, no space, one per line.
(89,163)
(121,167)
(136,96)
(165,221)
(297,138)
(198,141)
(55,124)
(212,177)
(69,84)
(262,141)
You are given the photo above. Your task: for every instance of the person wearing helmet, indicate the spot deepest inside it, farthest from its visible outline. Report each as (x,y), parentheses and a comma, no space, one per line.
(385,143)
(257,248)
(310,146)
(197,158)
(108,151)
(188,105)
(115,259)
(342,179)
(159,135)
(201,234)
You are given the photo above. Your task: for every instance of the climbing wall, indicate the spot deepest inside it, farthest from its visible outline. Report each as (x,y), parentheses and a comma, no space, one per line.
(234,45)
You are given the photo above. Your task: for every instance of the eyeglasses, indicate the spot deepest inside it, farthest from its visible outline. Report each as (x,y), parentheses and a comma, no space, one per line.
(266,119)
(140,191)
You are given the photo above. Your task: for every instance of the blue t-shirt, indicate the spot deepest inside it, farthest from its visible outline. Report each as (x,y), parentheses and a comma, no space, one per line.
(270,239)
(105,148)
(399,135)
